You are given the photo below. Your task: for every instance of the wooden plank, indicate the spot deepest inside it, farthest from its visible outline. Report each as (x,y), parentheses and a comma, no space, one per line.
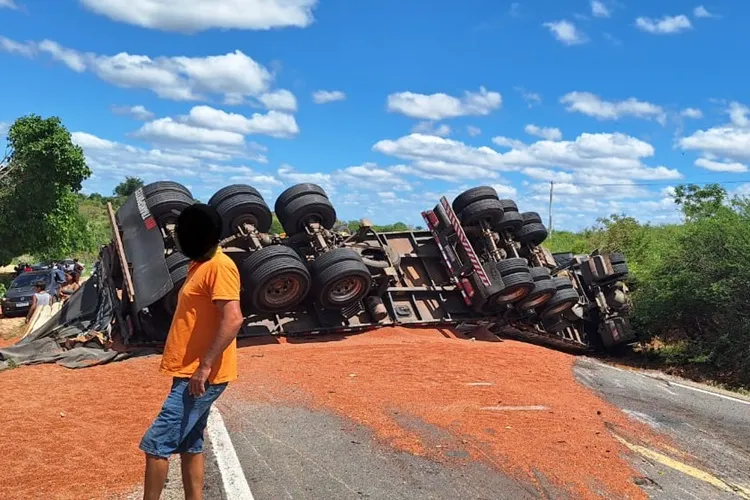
(127,278)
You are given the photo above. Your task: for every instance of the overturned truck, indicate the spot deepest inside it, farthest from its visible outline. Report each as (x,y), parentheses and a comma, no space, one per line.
(480,261)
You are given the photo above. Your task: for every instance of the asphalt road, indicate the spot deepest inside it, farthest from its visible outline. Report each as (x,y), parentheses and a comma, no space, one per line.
(713,427)
(289,452)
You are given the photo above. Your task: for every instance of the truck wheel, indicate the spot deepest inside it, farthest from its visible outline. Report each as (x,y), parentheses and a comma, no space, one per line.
(341,278)
(517,287)
(563,300)
(617,258)
(178,269)
(531,217)
(488,210)
(274,279)
(305,209)
(511,221)
(542,292)
(472,195)
(294,192)
(532,233)
(166,206)
(540,273)
(229,191)
(620,269)
(562,282)
(161,186)
(509,205)
(243,208)
(512,266)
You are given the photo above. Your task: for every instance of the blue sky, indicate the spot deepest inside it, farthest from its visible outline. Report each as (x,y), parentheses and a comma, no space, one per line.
(390,104)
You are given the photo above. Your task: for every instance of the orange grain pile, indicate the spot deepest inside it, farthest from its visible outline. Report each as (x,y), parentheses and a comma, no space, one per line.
(380,377)
(74,434)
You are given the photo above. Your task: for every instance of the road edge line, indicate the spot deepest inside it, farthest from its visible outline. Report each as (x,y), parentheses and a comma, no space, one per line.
(233,480)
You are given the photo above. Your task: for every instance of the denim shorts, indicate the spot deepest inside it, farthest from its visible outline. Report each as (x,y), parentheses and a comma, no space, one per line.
(180,424)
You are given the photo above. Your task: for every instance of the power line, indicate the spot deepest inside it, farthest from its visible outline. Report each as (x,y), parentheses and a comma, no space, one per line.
(661,183)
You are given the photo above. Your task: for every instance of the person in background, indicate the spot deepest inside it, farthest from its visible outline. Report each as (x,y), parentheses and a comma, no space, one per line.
(200,353)
(70,287)
(77,266)
(40,299)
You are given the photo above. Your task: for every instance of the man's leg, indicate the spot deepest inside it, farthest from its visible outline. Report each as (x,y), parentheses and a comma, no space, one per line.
(192,475)
(157,469)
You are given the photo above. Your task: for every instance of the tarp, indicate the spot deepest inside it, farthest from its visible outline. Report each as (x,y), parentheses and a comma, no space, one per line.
(79,335)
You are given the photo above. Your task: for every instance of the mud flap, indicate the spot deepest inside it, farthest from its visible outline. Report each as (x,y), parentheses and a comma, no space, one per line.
(144,247)
(616,331)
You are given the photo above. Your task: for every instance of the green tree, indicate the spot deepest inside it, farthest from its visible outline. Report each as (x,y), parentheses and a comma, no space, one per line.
(128,186)
(698,202)
(38,185)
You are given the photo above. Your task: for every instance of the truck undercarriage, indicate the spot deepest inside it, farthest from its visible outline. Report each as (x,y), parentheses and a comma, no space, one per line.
(479,261)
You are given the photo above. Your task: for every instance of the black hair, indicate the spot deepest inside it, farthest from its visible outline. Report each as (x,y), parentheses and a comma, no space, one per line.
(41,285)
(198,231)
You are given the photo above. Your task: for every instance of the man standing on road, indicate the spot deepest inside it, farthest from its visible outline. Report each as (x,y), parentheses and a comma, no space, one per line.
(200,353)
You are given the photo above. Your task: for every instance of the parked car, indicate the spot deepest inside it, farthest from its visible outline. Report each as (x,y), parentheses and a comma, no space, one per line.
(17,300)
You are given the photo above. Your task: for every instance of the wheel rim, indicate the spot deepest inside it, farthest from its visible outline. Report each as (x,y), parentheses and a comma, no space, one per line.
(536,301)
(244,219)
(560,308)
(346,289)
(282,290)
(513,296)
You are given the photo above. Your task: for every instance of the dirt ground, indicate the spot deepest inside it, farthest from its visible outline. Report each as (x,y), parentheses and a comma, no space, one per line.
(10,330)
(74,433)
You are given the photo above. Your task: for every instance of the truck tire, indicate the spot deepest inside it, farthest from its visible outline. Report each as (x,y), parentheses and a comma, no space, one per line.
(532,233)
(243,208)
(561,301)
(509,205)
(340,279)
(512,266)
(274,279)
(540,273)
(531,217)
(178,269)
(472,195)
(294,192)
(166,206)
(488,210)
(543,291)
(517,287)
(304,209)
(620,269)
(511,221)
(562,282)
(229,191)
(617,258)
(161,186)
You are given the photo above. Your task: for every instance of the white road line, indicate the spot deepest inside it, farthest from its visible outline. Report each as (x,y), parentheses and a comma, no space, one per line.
(233,480)
(730,398)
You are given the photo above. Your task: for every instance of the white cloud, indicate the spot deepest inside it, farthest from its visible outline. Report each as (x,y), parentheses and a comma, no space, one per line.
(593,105)
(281,100)
(507,142)
(667,25)
(442,106)
(720,166)
(694,113)
(531,98)
(701,12)
(473,131)
(726,142)
(168,130)
(138,112)
(599,156)
(326,96)
(547,133)
(291,175)
(566,32)
(90,141)
(369,174)
(505,190)
(432,128)
(190,16)
(273,123)
(598,9)
(8,4)
(738,114)
(233,75)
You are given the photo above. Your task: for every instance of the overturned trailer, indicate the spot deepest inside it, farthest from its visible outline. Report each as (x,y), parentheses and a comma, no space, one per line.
(479,261)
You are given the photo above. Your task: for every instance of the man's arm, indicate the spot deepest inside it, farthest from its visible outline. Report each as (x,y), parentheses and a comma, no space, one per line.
(231,321)
(31,309)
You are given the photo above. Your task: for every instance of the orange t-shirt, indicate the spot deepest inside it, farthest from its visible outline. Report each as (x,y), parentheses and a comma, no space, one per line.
(197,318)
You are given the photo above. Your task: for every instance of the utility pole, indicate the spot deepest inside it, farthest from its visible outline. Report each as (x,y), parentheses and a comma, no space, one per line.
(551,190)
